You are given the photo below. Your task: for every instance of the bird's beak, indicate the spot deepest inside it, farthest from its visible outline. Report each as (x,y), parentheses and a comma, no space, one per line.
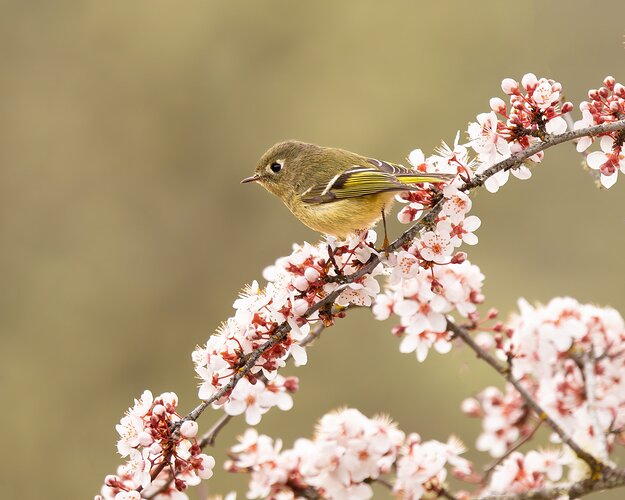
(253,178)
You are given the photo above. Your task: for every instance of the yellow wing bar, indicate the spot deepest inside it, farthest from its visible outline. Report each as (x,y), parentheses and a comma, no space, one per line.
(362,181)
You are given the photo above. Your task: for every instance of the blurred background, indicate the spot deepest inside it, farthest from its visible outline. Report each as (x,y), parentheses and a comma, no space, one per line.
(125,128)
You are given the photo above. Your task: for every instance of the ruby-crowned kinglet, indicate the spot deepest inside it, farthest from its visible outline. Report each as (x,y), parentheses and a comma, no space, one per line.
(334,191)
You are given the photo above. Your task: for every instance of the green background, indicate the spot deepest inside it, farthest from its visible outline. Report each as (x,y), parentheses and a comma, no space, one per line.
(125,128)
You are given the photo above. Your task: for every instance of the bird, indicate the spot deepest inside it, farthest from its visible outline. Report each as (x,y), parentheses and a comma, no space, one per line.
(334,191)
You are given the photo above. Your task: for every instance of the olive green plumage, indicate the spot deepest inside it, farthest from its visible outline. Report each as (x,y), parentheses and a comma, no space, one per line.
(334,191)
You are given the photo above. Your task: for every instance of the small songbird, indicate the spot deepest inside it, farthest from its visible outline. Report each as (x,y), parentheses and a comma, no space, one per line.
(334,191)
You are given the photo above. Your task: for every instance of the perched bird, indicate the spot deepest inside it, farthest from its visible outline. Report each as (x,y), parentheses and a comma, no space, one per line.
(334,191)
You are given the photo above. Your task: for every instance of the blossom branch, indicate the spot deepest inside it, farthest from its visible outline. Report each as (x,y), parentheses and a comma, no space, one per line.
(612,478)
(548,142)
(209,437)
(596,466)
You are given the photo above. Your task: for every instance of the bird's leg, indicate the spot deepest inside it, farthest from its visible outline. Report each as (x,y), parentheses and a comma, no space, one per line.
(333,261)
(385,243)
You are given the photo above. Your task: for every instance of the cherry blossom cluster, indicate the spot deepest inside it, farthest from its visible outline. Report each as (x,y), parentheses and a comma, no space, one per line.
(519,473)
(256,399)
(570,358)
(158,456)
(422,301)
(347,453)
(534,110)
(605,105)
(294,284)
(551,344)
(505,419)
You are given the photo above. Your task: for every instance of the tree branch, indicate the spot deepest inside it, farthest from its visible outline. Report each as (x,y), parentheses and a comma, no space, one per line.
(550,140)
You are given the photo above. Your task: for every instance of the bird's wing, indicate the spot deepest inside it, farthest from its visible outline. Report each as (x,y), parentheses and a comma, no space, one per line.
(361,180)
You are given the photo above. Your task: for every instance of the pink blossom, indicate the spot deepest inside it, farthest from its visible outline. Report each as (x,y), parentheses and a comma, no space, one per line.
(435,247)
(487,139)
(608,161)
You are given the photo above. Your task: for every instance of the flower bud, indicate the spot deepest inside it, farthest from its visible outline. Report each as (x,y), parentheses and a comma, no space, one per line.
(567,107)
(619,90)
(180,484)
(529,81)
(498,340)
(471,407)
(311,274)
(459,258)
(300,306)
(476,297)
(301,283)
(593,94)
(474,317)
(111,480)
(398,330)
(188,429)
(158,410)
(291,384)
(615,107)
(604,92)
(437,286)
(208,462)
(497,105)
(609,82)
(510,86)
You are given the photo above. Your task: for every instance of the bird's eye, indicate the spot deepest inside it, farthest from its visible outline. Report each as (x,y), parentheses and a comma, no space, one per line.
(275,167)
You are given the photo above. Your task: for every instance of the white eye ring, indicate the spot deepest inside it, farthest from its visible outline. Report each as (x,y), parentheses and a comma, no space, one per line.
(276,166)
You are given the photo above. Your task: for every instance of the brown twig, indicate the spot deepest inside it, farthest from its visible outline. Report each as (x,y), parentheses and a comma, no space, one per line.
(208,439)
(488,470)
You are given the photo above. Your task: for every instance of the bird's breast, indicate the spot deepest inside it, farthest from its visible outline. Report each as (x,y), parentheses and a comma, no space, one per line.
(343,217)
